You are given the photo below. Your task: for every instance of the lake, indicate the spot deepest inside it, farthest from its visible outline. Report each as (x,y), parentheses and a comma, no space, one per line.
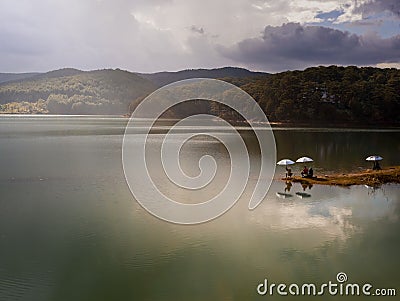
(71,230)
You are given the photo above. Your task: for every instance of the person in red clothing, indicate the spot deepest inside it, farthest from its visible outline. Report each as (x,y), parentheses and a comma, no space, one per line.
(304,173)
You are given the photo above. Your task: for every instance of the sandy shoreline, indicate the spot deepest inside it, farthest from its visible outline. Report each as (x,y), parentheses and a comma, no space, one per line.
(368,177)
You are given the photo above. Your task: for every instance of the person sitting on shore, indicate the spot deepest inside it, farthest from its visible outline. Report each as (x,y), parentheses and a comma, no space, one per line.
(310,172)
(304,173)
(289,173)
(376,166)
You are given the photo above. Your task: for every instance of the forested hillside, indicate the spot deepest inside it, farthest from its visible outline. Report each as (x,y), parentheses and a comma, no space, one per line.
(71,91)
(320,95)
(329,95)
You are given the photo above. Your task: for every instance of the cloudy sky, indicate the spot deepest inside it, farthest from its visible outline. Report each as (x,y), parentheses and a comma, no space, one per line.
(158,35)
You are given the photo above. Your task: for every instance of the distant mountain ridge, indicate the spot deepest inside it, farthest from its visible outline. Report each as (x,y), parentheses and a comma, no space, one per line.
(60,73)
(8,77)
(164,78)
(72,91)
(158,78)
(107,91)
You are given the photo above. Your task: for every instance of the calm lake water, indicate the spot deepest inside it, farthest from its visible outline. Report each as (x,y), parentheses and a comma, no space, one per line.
(71,230)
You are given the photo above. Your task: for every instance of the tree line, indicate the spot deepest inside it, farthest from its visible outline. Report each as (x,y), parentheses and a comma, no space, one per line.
(329,95)
(317,95)
(320,95)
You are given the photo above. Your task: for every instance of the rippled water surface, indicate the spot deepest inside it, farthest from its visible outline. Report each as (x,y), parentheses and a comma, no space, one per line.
(70,229)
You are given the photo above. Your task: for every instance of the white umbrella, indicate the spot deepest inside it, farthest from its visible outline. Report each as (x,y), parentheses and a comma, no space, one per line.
(374,158)
(304,160)
(285,162)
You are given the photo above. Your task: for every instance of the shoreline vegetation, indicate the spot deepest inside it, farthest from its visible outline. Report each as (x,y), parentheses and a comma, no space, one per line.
(367,177)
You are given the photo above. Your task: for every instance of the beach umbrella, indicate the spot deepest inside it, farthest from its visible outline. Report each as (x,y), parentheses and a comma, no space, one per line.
(304,160)
(285,162)
(374,158)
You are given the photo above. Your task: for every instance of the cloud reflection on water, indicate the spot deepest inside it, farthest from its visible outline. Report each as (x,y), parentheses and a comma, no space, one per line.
(330,213)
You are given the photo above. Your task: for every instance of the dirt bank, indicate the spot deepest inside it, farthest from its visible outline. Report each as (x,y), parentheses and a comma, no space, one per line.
(368,177)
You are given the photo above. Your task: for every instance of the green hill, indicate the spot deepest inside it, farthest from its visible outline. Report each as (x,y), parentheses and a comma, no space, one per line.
(330,95)
(71,91)
(319,96)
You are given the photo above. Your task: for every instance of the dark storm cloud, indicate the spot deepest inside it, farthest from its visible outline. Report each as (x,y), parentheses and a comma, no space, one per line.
(154,35)
(377,6)
(295,46)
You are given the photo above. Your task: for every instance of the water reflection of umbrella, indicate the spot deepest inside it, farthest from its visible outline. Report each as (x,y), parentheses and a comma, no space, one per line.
(375,159)
(283,195)
(303,195)
(304,160)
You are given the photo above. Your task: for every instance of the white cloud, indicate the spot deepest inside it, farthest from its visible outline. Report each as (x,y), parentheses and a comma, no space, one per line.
(388,65)
(141,35)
